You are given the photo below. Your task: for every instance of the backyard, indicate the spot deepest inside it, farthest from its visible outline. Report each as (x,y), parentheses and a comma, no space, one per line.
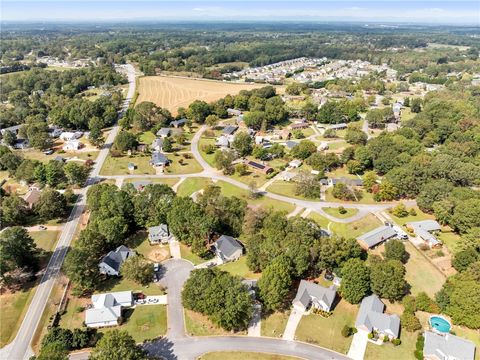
(350,230)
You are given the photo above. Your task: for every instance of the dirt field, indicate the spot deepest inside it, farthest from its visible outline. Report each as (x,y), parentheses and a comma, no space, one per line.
(175,92)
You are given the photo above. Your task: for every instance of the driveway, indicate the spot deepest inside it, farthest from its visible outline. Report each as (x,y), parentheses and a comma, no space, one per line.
(292,323)
(358,345)
(152,300)
(255,326)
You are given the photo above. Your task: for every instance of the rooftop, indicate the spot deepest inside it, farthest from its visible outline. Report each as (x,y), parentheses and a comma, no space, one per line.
(448,346)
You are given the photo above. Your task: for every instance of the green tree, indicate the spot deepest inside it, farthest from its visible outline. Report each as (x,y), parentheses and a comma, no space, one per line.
(10,162)
(355,281)
(125,140)
(395,250)
(212,120)
(167,145)
(116,345)
(51,205)
(307,185)
(54,173)
(137,269)
(355,136)
(223,161)
(198,111)
(38,137)
(274,285)
(242,143)
(304,149)
(416,105)
(27,170)
(466,215)
(13,210)
(334,250)
(9,138)
(53,351)
(388,279)
(76,174)
(96,136)
(410,322)
(81,267)
(464,258)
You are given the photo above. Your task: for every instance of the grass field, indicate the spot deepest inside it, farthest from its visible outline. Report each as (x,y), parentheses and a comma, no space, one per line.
(274,324)
(188,166)
(119,165)
(166,181)
(174,92)
(326,332)
(197,324)
(387,351)
(349,230)
(242,355)
(146,322)
(336,213)
(46,239)
(285,188)
(240,268)
(187,254)
(190,185)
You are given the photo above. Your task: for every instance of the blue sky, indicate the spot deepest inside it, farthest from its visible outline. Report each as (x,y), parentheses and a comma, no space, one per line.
(439,11)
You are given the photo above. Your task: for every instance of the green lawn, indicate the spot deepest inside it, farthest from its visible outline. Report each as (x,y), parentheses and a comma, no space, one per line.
(387,351)
(120,284)
(336,213)
(40,156)
(209,158)
(197,324)
(419,217)
(188,166)
(264,201)
(367,198)
(240,268)
(337,145)
(350,230)
(146,137)
(45,239)
(421,274)
(119,165)
(167,181)
(250,177)
(146,322)
(191,185)
(242,355)
(450,239)
(187,254)
(341,172)
(286,188)
(274,324)
(326,332)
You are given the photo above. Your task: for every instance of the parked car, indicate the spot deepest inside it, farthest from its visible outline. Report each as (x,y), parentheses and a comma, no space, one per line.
(156,267)
(41,227)
(48,152)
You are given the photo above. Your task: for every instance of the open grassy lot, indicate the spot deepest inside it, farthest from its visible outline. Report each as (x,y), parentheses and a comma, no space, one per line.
(182,165)
(209,158)
(387,351)
(336,213)
(119,165)
(409,218)
(421,274)
(191,185)
(46,239)
(146,137)
(197,324)
(166,181)
(187,254)
(367,198)
(326,332)
(40,156)
(146,322)
(341,172)
(264,201)
(173,92)
(450,239)
(241,355)
(285,188)
(240,268)
(273,325)
(353,229)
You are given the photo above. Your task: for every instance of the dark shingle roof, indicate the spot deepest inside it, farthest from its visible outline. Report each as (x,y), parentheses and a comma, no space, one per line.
(227,245)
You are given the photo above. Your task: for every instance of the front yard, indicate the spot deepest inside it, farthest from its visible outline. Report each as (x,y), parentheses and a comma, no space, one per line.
(348,230)
(388,351)
(326,332)
(335,212)
(191,185)
(240,268)
(273,325)
(197,324)
(119,165)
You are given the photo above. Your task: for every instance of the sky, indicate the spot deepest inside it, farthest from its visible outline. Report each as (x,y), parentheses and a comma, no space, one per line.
(406,11)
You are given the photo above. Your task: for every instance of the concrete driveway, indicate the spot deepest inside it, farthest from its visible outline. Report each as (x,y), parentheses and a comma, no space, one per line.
(292,323)
(358,345)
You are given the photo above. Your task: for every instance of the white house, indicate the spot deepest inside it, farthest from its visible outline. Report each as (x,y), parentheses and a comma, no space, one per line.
(107,309)
(313,295)
(371,317)
(158,234)
(295,163)
(447,347)
(72,145)
(68,135)
(111,263)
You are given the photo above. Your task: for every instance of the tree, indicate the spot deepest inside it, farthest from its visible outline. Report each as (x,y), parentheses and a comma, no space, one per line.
(17,252)
(96,136)
(14,210)
(81,267)
(54,173)
(388,279)
(51,205)
(432,192)
(424,303)
(464,258)
(377,118)
(38,137)
(395,250)
(354,167)
(355,136)
(466,215)
(10,162)
(400,210)
(59,335)
(416,105)
(137,269)
(343,192)
(334,250)
(307,185)
(125,140)
(198,111)
(117,344)
(255,119)
(220,296)
(386,192)
(242,143)
(471,239)
(355,281)
(167,145)
(274,285)
(53,351)
(410,322)
(369,179)
(27,170)
(304,149)
(212,120)
(241,169)
(223,161)
(9,138)
(76,174)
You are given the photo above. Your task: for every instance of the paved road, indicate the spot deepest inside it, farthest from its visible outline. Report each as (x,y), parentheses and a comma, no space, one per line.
(20,349)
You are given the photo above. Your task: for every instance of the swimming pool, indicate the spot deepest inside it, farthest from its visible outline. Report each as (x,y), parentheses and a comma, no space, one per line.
(440,324)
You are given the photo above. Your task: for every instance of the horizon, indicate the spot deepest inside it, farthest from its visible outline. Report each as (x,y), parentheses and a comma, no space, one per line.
(463,13)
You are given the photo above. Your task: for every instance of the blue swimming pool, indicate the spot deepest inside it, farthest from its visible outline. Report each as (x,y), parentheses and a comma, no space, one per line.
(440,324)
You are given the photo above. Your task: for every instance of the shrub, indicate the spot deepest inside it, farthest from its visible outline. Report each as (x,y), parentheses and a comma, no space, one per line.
(396,342)
(370,335)
(79,309)
(208,149)
(412,212)
(410,322)
(400,211)
(346,331)
(386,338)
(409,304)
(342,210)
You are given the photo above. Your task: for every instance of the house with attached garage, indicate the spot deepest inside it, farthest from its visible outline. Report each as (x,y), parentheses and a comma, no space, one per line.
(376,236)
(159,159)
(72,145)
(233,112)
(447,347)
(371,318)
(68,135)
(311,295)
(107,309)
(164,132)
(159,234)
(112,262)
(424,229)
(227,248)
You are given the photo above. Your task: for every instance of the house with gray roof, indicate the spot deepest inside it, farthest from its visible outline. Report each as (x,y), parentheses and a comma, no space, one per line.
(13,129)
(164,132)
(229,129)
(227,248)
(178,123)
(313,295)
(233,112)
(107,309)
(371,317)
(157,144)
(159,159)
(447,347)
(376,236)
(111,263)
(158,234)
(423,230)
(223,142)
(291,144)
(338,126)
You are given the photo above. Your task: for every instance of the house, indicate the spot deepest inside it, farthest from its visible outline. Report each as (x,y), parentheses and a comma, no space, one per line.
(157,144)
(371,317)
(291,144)
(423,230)
(288,176)
(111,263)
(295,163)
(299,126)
(234,112)
(264,169)
(72,145)
(68,135)
(223,142)
(313,295)
(32,197)
(346,181)
(158,234)
(227,248)
(340,126)
(159,159)
(376,236)
(13,129)
(21,144)
(164,132)
(107,309)
(323,146)
(229,129)
(447,347)
(54,132)
(178,123)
